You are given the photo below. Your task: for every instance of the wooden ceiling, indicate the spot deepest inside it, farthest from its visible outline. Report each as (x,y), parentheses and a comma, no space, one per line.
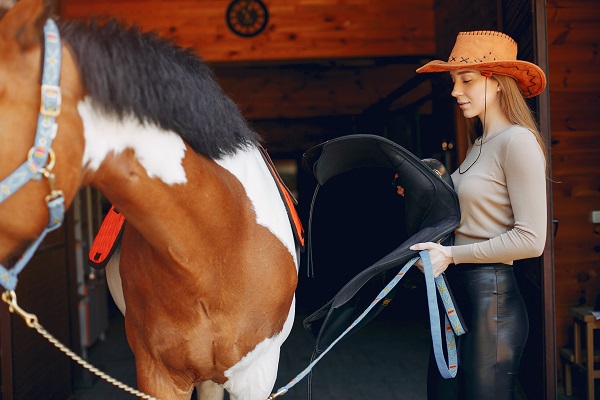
(296,29)
(314,58)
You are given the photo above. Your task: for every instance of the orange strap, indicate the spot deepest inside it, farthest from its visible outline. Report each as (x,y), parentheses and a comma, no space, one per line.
(290,201)
(107,239)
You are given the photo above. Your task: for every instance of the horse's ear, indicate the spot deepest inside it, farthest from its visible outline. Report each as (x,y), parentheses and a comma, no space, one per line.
(25,21)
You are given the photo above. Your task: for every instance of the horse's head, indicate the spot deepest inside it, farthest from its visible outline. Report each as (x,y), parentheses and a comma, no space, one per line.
(23,211)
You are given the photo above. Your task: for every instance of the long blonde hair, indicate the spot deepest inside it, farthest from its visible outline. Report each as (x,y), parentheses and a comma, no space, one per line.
(514,107)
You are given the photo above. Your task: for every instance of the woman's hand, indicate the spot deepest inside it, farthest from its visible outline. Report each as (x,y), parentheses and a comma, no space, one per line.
(441,256)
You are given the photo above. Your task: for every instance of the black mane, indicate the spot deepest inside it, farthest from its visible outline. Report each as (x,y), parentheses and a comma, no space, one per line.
(129,72)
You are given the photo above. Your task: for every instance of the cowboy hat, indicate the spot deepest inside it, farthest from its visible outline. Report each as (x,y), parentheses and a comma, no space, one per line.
(492,52)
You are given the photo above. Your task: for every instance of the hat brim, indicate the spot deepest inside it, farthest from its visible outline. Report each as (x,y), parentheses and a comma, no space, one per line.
(530,78)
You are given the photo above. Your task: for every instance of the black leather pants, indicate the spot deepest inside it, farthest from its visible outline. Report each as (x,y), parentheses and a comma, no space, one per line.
(489,353)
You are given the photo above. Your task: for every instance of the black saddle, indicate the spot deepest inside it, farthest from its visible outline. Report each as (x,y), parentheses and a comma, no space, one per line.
(376,235)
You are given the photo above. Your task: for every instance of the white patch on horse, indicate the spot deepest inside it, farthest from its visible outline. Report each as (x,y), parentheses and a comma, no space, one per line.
(250,168)
(160,152)
(253,377)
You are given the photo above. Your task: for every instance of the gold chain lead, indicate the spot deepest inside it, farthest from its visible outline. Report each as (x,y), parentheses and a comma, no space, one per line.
(10,298)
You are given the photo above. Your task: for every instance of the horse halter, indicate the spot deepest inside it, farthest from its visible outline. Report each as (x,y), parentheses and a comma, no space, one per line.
(41,158)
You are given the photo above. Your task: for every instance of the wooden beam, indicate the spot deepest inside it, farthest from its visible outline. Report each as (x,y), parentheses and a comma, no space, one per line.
(547,279)
(297,29)
(310,90)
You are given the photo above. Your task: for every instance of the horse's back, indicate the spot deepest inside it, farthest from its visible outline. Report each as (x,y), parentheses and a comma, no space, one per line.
(250,168)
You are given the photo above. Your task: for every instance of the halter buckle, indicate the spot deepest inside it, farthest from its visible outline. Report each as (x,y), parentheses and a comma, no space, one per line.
(39,151)
(51,101)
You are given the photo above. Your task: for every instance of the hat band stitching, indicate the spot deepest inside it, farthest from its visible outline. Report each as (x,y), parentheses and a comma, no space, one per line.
(527,71)
(489,33)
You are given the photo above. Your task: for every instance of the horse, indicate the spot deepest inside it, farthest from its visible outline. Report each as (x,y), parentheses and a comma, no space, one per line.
(208,263)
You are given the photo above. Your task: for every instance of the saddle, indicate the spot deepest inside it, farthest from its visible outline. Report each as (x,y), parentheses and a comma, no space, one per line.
(369,241)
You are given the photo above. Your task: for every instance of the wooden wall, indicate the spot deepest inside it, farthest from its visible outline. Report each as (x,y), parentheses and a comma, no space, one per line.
(574,81)
(315,60)
(315,89)
(297,29)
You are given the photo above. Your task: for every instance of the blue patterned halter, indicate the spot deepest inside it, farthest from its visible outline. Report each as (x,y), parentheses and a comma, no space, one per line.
(41,158)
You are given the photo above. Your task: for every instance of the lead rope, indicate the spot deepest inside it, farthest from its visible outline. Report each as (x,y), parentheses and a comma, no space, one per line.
(10,298)
(453,326)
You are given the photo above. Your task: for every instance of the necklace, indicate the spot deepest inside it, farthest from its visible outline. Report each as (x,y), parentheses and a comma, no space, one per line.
(483,125)
(480,146)
(490,137)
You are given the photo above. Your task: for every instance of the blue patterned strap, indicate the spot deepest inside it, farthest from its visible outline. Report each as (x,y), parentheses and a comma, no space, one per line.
(447,372)
(379,297)
(49,109)
(56,208)
(23,174)
(41,157)
(451,312)
(38,158)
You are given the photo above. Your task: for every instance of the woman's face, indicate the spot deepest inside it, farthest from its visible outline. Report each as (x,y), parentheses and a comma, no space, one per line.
(469,91)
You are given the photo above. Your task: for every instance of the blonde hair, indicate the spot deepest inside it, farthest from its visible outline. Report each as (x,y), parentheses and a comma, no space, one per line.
(514,107)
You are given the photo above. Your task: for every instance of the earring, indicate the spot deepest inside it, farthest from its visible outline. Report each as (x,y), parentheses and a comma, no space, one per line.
(498,89)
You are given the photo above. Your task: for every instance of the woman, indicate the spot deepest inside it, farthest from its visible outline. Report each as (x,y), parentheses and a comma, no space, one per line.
(501,187)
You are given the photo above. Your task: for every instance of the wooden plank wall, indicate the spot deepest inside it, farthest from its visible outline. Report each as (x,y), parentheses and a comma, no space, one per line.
(574,81)
(297,29)
(315,89)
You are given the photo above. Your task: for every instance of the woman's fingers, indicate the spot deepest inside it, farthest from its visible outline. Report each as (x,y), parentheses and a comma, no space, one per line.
(438,255)
(424,246)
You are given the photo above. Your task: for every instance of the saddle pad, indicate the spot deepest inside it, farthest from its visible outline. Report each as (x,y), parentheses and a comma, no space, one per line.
(107,239)
(428,212)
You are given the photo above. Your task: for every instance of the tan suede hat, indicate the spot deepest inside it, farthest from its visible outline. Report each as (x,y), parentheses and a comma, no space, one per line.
(492,52)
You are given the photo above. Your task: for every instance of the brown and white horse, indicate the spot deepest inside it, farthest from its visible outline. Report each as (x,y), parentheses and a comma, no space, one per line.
(208,263)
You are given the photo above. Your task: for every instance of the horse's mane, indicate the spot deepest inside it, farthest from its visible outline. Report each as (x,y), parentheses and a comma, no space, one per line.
(127,72)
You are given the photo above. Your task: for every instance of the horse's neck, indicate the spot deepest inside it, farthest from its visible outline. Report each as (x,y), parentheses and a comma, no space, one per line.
(165,189)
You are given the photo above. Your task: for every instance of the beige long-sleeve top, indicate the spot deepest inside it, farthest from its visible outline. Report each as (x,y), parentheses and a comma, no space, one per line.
(502,200)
